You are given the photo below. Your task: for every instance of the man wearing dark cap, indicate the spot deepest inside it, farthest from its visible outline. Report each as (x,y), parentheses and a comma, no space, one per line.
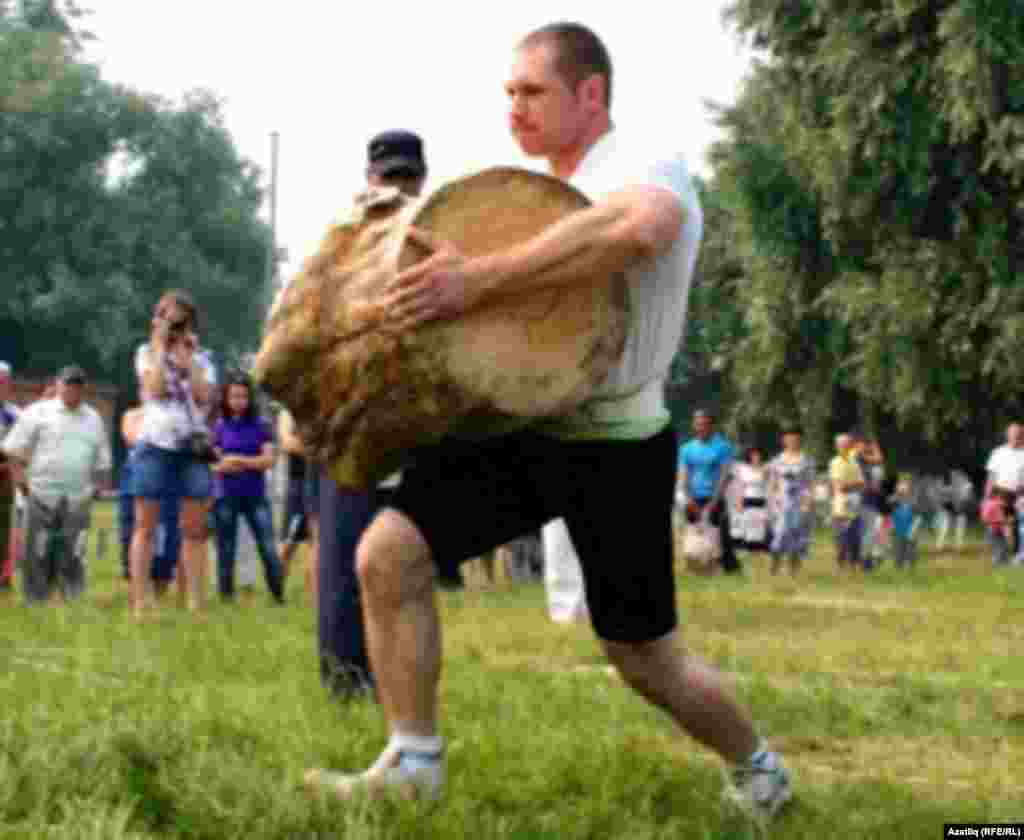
(58,449)
(394,159)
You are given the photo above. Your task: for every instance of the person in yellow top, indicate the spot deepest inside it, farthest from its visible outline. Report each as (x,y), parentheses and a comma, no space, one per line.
(847,482)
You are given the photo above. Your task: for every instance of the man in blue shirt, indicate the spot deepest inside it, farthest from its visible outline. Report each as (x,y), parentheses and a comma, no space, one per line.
(705,466)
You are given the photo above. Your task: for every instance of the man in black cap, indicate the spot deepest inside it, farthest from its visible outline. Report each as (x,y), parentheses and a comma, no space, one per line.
(59,449)
(394,159)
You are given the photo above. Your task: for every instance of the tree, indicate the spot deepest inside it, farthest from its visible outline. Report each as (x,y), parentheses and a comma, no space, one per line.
(108,197)
(903,123)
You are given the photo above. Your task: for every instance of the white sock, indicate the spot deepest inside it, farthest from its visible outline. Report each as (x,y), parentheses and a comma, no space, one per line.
(424,745)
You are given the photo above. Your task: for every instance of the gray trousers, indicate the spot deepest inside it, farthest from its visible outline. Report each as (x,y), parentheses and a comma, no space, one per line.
(55,539)
(904,551)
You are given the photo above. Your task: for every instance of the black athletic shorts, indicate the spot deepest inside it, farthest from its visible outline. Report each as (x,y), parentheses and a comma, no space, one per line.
(615,496)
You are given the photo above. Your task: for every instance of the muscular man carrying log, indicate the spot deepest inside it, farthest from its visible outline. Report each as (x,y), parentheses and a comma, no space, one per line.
(461,499)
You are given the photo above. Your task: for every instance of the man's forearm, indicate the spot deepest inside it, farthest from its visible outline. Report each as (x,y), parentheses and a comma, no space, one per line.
(594,242)
(683,480)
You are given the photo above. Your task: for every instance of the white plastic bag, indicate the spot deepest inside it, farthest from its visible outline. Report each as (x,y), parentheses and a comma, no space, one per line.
(702,547)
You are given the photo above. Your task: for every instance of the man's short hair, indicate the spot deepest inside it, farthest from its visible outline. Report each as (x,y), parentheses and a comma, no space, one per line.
(580,54)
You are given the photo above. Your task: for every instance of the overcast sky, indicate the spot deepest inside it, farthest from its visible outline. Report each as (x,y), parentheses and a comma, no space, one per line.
(328,75)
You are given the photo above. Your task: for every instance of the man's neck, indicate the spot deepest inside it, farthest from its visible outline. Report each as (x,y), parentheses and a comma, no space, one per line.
(566,162)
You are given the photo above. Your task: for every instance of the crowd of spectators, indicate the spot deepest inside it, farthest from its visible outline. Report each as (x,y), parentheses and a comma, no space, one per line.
(56,459)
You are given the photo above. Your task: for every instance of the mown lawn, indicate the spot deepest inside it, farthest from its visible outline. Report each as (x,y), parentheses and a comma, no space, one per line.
(898,700)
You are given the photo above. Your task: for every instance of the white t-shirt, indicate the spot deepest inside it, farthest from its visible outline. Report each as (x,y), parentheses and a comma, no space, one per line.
(166,420)
(753,481)
(658,291)
(1006,465)
(64,449)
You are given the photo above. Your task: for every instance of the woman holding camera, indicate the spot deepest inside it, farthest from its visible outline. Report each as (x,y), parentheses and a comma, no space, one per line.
(173,446)
(243,441)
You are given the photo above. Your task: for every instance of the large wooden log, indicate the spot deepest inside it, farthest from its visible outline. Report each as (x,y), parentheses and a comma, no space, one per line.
(364,396)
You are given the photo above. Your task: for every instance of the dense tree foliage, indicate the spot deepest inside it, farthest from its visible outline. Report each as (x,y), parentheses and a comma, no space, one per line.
(109,196)
(871,195)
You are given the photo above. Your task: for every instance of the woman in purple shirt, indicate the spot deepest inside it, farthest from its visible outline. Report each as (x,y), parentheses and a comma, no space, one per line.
(243,441)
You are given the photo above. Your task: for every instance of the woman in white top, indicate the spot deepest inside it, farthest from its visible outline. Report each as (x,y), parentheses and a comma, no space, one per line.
(752,478)
(170,457)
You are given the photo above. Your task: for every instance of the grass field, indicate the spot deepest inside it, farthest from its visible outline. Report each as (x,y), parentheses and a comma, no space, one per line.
(898,701)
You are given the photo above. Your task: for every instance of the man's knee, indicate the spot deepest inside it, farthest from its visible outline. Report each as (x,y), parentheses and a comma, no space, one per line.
(393,560)
(645,665)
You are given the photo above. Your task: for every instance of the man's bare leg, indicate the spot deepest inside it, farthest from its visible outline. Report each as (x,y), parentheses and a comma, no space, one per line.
(403,635)
(403,631)
(693,693)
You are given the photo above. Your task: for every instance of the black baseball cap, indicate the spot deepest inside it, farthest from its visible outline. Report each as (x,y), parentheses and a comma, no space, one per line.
(72,375)
(396,152)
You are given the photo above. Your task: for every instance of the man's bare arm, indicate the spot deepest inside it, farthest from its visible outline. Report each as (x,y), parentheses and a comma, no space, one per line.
(627,227)
(631,225)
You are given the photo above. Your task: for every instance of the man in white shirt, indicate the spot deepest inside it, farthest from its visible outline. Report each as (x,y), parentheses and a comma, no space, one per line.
(8,415)
(1005,470)
(59,448)
(459,501)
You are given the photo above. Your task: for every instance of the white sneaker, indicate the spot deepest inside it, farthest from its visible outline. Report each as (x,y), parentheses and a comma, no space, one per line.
(411,775)
(760,788)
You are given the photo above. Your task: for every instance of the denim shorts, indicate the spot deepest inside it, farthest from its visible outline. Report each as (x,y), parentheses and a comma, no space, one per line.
(157,473)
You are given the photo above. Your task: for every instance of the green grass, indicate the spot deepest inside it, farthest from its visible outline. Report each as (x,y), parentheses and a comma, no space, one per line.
(898,701)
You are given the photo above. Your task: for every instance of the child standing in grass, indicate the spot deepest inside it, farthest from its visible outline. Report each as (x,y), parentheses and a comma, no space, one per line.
(904,549)
(995,513)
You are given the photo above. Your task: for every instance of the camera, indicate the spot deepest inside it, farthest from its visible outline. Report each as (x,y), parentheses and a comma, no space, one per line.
(199,445)
(176,331)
